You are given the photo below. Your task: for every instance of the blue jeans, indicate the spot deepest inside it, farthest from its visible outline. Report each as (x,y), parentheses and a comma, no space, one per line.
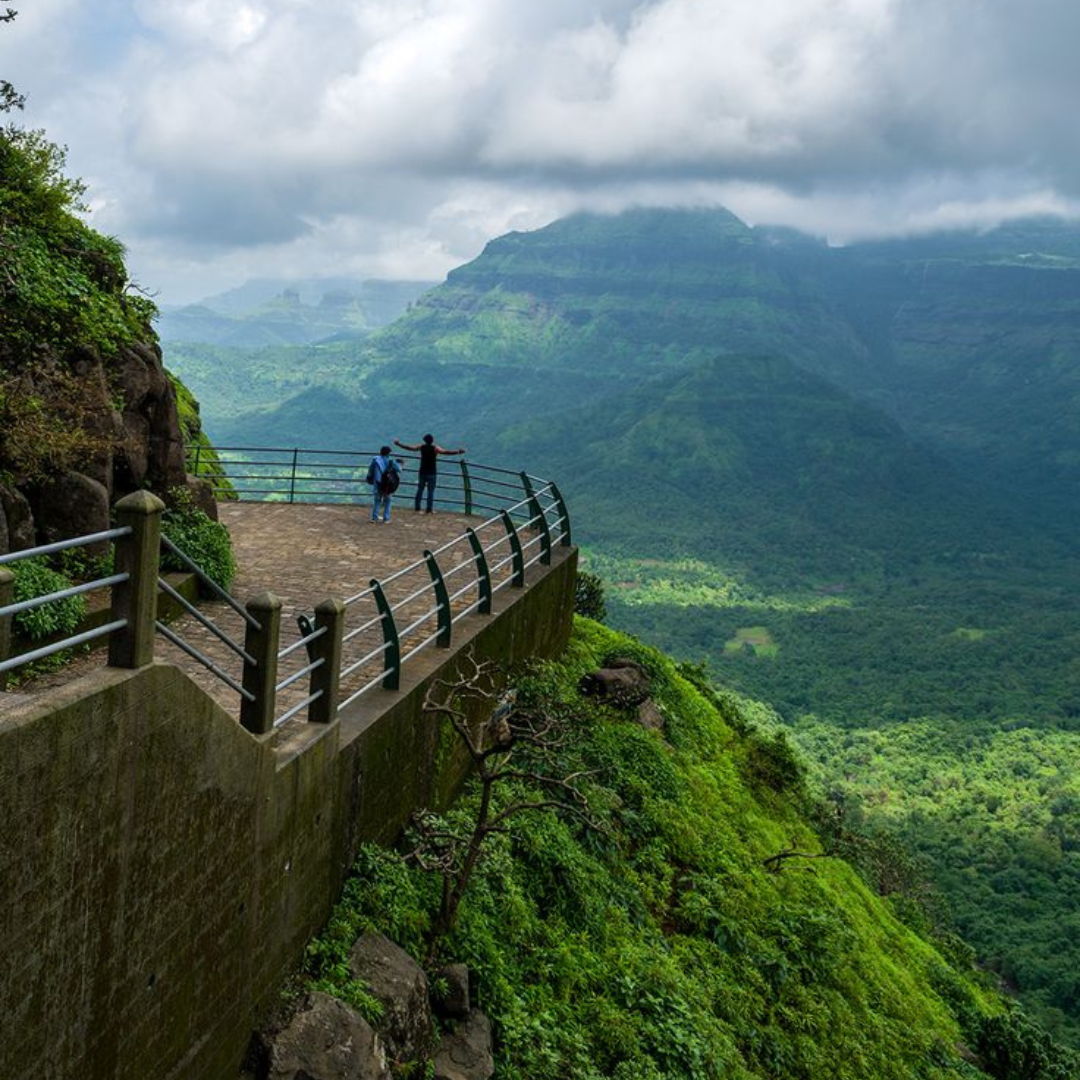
(377,498)
(426,480)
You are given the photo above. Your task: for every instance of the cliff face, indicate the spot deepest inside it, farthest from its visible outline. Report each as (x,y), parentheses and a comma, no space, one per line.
(87,412)
(130,438)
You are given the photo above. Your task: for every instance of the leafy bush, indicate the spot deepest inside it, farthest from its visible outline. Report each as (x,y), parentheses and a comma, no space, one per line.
(33,577)
(772,763)
(589,596)
(206,543)
(1013,1047)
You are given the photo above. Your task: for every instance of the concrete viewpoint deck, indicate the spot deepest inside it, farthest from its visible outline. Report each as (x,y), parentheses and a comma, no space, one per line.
(304,554)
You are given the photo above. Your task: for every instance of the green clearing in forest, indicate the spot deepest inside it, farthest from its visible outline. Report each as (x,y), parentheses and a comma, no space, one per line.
(753,639)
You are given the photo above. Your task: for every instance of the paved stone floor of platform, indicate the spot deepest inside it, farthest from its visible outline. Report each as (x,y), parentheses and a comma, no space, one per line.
(306,553)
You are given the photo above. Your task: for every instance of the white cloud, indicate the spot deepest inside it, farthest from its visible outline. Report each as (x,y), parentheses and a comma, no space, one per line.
(395,136)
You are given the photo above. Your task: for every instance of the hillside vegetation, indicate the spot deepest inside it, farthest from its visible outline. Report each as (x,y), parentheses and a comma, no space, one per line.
(663,944)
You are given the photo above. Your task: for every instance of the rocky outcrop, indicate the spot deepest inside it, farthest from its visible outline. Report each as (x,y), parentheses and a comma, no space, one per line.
(620,681)
(129,414)
(324,1039)
(453,1003)
(16,520)
(68,505)
(399,982)
(465,1053)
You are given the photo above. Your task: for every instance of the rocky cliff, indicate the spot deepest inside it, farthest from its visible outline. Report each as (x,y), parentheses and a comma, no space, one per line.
(87,412)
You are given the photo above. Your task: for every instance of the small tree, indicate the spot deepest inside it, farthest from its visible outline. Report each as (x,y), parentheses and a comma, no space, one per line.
(9,97)
(589,596)
(512,744)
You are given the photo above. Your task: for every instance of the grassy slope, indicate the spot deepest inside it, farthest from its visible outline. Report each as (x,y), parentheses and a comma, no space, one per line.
(664,948)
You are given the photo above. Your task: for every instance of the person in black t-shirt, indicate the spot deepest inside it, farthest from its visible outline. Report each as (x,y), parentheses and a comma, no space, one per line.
(429,455)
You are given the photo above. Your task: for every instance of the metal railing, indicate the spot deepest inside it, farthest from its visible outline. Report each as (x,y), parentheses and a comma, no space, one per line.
(364,642)
(293,474)
(135,540)
(350,646)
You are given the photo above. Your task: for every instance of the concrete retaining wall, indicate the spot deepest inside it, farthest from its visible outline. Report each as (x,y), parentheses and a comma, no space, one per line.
(162,868)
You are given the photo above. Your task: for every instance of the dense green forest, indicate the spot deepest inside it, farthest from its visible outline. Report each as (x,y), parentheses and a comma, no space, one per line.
(843,479)
(663,935)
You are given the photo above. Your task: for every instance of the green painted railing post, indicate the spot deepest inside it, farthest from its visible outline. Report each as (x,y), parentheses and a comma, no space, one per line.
(198,451)
(466,483)
(518,580)
(442,600)
(135,600)
(392,653)
(7,596)
(260,679)
(483,574)
(564,516)
(292,475)
(539,520)
(526,483)
(327,647)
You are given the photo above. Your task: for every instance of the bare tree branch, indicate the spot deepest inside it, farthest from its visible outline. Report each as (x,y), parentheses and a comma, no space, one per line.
(775,863)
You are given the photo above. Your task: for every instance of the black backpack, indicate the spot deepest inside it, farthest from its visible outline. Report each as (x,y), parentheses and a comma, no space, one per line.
(390,479)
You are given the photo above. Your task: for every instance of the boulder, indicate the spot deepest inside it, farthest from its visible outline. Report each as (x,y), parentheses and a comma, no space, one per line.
(620,682)
(649,716)
(454,1004)
(400,984)
(72,504)
(202,495)
(18,519)
(465,1053)
(323,1040)
(152,448)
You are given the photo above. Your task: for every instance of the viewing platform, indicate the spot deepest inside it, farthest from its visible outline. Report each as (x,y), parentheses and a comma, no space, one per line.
(326,604)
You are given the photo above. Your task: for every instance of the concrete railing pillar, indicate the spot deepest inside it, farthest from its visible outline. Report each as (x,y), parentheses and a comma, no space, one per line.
(7,596)
(138,555)
(260,678)
(327,647)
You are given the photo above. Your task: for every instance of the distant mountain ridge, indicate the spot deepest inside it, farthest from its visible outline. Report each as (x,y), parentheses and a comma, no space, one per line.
(269,311)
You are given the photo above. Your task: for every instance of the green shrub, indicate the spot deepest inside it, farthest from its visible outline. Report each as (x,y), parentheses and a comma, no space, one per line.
(1013,1047)
(33,577)
(206,543)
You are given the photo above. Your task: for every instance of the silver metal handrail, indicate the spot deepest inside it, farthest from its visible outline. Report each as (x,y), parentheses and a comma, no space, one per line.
(64,545)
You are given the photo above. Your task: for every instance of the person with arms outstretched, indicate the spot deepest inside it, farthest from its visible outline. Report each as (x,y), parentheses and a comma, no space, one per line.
(429,455)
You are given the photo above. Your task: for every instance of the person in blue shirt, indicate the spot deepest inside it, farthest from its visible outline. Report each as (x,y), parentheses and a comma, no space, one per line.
(429,455)
(384,475)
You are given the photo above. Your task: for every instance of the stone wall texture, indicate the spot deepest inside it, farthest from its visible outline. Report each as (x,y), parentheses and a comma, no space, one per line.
(163,869)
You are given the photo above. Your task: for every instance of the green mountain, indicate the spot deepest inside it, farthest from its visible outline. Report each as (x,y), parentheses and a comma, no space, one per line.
(968,340)
(845,480)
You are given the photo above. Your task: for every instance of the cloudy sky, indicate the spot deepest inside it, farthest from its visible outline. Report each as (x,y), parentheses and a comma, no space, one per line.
(225,139)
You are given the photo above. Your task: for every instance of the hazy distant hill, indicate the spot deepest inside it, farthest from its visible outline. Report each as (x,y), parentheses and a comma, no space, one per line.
(970,341)
(267,312)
